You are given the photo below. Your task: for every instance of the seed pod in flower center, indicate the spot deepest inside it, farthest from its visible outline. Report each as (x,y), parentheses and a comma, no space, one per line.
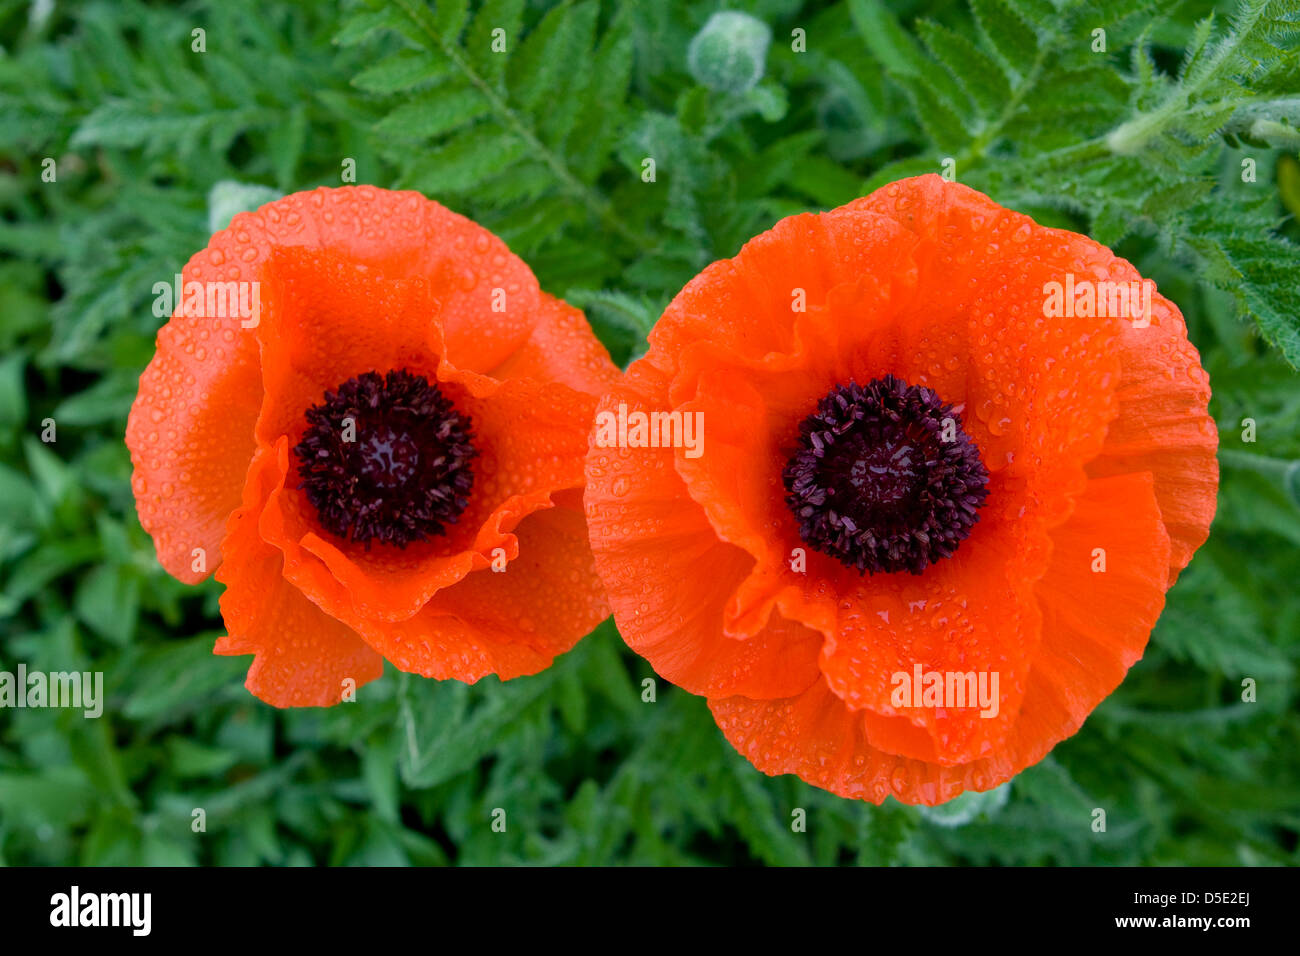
(885,479)
(386,459)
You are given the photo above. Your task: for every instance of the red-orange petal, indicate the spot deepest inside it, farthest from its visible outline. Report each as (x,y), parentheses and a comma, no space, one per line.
(1164,427)
(1095,625)
(509,623)
(303,656)
(669,577)
(562,349)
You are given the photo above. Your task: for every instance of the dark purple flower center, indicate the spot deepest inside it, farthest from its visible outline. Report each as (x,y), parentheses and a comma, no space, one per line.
(885,479)
(386,458)
(389,459)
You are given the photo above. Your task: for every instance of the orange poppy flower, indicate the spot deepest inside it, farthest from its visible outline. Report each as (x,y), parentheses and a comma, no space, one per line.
(927,486)
(369,417)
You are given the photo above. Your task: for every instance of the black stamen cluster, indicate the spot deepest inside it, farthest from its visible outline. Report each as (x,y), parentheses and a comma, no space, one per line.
(885,479)
(400,473)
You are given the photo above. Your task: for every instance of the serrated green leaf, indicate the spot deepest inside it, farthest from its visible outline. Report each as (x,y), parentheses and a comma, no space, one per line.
(401,71)
(433,114)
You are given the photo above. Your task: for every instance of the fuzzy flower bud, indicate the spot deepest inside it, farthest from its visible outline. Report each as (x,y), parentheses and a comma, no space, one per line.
(729,54)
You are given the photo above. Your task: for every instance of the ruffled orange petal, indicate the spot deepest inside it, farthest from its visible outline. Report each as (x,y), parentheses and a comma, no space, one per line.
(512,622)
(1162,424)
(668,576)
(973,614)
(328,319)
(489,295)
(303,656)
(745,306)
(560,349)
(1103,592)
(1164,427)
(1095,625)
(190,430)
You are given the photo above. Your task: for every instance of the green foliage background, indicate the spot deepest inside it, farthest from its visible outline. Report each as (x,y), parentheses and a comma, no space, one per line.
(1141,146)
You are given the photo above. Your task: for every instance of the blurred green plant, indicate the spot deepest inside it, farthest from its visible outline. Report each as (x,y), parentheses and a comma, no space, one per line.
(1142,143)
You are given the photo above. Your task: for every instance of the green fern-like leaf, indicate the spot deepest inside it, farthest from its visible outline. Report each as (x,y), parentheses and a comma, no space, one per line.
(473,133)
